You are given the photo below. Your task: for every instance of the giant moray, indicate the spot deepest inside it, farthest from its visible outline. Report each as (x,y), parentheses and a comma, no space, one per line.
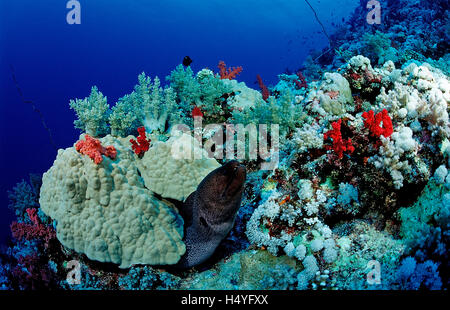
(210,211)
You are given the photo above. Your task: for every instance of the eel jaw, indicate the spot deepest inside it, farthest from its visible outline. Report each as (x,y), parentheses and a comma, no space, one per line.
(236,175)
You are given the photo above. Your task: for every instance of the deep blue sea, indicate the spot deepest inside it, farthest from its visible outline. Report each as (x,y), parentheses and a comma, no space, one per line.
(116,40)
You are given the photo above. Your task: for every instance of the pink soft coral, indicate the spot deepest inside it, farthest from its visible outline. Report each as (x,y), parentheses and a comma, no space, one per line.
(339,145)
(37,230)
(93,148)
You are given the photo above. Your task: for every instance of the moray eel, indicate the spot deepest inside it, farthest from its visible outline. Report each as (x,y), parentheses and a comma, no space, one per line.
(210,211)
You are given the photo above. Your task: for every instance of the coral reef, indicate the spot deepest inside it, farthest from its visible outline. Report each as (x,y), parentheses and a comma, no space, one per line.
(360,198)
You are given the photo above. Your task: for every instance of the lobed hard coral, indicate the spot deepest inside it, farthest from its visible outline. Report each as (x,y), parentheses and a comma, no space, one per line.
(331,96)
(121,218)
(174,168)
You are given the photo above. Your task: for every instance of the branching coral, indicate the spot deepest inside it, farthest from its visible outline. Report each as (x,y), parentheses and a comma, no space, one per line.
(264,90)
(148,105)
(36,230)
(282,111)
(93,113)
(301,82)
(229,73)
(22,197)
(205,90)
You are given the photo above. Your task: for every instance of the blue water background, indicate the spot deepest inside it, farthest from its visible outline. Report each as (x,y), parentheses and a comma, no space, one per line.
(55,62)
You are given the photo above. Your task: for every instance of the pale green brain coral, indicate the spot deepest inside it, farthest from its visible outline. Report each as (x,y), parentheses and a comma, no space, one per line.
(106,212)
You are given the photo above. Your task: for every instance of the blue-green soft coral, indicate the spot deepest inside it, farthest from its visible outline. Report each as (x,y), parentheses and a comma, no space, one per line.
(23,196)
(282,110)
(148,105)
(205,90)
(153,106)
(92,113)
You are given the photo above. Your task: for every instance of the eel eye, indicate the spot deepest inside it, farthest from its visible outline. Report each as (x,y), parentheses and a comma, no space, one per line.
(203,221)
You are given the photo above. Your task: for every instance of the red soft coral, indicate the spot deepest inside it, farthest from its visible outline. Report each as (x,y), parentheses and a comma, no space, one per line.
(142,145)
(373,123)
(197,112)
(37,230)
(33,273)
(264,90)
(339,145)
(229,73)
(301,82)
(93,148)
